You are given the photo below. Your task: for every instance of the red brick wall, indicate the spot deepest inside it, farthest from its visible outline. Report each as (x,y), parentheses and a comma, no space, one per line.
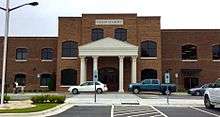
(33,65)
(172,40)
(79,30)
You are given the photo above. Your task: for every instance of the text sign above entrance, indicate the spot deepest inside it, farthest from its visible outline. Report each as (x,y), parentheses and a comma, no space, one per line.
(109,22)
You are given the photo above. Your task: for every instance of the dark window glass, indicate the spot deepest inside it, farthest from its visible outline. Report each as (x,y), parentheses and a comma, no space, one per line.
(148,74)
(155,82)
(216,52)
(84,84)
(148,49)
(69,49)
(20,79)
(45,79)
(90,83)
(21,54)
(189,52)
(121,34)
(146,82)
(68,77)
(47,54)
(97,33)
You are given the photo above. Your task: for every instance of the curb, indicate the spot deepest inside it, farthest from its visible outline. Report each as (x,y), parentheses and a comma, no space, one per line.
(49,112)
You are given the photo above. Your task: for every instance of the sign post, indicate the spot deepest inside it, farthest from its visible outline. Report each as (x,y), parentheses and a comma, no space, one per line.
(167,81)
(95,78)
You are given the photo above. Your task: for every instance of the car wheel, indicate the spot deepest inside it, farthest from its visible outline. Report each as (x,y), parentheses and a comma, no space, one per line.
(208,103)
(136,90)
(99,91)
(75,91)
(197,93)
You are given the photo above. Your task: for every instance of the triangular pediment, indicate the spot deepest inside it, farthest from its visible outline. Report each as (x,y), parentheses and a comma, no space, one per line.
(108,47)
(107,43)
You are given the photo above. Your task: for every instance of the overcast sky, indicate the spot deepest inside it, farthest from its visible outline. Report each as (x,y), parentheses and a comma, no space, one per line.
(175,14)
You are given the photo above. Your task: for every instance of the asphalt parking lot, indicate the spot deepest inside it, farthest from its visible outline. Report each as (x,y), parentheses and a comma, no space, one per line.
(86,111)
(138,111)
(188,112)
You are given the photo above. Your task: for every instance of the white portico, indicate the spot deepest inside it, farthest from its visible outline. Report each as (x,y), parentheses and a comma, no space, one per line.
(108,47)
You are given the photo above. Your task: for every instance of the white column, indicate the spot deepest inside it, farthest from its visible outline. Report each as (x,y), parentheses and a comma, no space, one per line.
(82,70)
(121,73)
(95,63)
(134,69)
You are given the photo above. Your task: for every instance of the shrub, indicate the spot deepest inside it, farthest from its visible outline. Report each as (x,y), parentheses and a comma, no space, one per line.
(6,99)
(39,99)
(60,99)
(52,99)
(48,98)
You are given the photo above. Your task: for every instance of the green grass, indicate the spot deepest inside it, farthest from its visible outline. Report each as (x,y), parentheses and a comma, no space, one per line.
(38,107)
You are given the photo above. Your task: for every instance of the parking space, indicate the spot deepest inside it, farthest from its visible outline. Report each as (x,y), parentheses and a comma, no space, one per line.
(136,111)
(214,112)
(186,112)
(86,111)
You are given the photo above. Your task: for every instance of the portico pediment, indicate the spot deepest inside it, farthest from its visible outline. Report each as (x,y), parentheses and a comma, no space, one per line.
(108,47)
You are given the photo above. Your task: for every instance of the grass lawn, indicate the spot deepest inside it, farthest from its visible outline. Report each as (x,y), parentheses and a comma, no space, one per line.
(38,107)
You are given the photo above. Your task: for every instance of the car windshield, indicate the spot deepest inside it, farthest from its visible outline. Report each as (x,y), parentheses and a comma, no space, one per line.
(204,86)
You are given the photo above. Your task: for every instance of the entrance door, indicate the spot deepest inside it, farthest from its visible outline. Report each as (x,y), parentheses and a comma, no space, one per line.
(191,82)
(109,76)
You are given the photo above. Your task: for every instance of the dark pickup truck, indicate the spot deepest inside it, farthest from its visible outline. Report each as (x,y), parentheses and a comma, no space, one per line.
(151,85)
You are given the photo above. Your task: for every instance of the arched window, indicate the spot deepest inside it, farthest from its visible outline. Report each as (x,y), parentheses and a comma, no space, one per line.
(20,79)
(21,54)
(189,52)
(45,79)
(216,52)
(97,33)
(121,34)
(69,49)
(68,77)
(148,74)
(148,49)
(47,54)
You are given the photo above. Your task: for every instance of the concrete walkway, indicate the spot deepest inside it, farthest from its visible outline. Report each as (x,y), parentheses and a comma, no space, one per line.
(17,105)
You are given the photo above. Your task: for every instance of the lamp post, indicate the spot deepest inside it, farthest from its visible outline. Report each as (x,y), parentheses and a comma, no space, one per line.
(7,11)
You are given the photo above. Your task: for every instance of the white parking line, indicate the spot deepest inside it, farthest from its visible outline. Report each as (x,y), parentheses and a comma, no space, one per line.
(133,110)
(143,114)
(146,112)
(112,111)
(159,111)
(156,115)
(201,110)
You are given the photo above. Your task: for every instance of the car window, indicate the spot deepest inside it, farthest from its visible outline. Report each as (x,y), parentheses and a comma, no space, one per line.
(97,83)
(84,84)
(90,83)
(217,85)
(146,82)
(155,82)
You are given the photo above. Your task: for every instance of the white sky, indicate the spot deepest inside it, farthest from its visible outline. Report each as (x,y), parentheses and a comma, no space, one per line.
(175,14)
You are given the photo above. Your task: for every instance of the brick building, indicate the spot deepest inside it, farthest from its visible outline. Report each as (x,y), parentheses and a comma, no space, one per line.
(123,48)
